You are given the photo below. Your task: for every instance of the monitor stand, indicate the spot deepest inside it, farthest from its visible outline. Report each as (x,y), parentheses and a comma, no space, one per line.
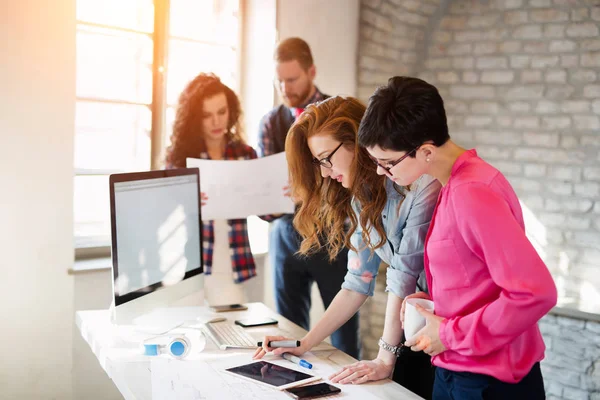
(164,319)
(163,310)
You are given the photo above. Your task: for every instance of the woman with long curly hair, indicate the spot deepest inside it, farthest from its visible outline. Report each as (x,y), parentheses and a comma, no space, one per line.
(207,125)
(336,181)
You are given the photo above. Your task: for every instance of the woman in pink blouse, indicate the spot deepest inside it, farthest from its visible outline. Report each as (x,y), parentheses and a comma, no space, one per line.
(488,284)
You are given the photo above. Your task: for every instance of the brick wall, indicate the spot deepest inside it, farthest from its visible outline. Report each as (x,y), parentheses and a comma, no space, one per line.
(571,368)
(521,83)
(392,34)
(372,318)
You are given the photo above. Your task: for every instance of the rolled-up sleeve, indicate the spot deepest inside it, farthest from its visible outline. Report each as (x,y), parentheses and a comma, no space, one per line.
(407,262)
(363,266)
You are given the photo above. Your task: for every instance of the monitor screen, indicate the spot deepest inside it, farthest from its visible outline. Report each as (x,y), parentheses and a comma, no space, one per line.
(156,230)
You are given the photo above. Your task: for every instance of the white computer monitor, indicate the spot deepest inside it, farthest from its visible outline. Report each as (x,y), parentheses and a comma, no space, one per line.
(156,241)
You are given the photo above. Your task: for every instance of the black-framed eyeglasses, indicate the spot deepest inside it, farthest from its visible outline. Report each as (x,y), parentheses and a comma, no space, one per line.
(392,164)
(326,162)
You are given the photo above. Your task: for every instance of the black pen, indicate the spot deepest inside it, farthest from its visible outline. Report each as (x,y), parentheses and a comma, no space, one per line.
(281,343)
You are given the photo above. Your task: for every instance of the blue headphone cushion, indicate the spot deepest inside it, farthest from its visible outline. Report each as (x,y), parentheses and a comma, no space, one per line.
(177,348)
(151,349)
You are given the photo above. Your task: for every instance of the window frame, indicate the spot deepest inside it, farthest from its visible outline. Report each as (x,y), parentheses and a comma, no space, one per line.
(158,106)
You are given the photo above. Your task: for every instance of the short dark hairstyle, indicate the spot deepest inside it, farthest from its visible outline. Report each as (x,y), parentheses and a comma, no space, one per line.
(404,114)
(292,49)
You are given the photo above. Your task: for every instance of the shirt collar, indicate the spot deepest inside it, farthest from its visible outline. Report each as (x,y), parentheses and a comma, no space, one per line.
(462,160)
(318,96)
(228,144)
(392,192)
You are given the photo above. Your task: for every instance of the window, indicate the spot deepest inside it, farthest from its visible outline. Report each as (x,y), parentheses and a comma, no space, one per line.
(204,36)
(120,90)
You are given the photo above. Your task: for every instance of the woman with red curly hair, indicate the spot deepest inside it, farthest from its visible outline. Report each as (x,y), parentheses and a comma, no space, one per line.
(343,202)
(207,125)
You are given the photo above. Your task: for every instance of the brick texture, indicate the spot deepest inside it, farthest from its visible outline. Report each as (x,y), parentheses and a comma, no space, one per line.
(521,84)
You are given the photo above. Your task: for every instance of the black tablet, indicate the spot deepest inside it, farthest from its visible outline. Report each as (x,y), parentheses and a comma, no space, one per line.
(272,375)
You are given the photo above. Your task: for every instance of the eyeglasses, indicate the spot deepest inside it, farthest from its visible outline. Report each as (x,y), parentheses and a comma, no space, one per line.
(392,164)
(326,162)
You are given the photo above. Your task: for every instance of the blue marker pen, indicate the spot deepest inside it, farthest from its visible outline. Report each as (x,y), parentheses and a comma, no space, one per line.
(297,360)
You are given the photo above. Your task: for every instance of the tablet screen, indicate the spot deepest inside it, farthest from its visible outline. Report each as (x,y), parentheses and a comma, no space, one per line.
(268,373)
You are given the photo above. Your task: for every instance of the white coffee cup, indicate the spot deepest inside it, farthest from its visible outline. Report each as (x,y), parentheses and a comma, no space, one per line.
(413,321)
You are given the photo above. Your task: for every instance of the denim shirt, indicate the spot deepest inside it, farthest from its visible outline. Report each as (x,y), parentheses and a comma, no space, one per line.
(406,230)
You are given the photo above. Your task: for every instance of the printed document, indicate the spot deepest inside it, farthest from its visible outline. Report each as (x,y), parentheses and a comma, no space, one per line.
(240,188)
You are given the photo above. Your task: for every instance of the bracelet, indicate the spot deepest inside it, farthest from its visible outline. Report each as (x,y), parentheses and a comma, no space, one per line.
(395,350)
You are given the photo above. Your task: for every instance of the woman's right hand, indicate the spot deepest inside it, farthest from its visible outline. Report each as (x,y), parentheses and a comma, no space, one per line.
(261,351)
(418,295)
(203,198)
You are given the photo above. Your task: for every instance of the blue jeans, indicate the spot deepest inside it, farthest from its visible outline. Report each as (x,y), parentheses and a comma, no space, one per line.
(452,385)
(294,275)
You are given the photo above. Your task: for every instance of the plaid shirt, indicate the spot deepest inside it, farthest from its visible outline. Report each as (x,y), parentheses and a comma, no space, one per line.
(275,125)
(242,262)
(273,130)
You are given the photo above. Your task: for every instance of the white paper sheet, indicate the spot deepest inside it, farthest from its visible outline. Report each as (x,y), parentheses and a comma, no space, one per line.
(240,188)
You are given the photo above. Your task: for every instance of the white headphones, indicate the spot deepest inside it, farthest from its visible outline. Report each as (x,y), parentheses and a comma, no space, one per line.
(177,346)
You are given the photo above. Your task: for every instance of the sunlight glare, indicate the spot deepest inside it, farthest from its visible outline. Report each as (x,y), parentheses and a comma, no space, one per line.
(535,230)
(171,236)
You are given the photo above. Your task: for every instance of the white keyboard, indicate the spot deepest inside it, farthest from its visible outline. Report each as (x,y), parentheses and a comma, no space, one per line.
(229,336)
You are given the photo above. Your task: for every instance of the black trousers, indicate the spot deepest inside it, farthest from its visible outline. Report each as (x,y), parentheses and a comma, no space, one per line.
(294,276)
(452,385)
(415,372)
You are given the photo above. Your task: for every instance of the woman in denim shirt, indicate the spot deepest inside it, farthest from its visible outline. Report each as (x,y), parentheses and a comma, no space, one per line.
(335,180)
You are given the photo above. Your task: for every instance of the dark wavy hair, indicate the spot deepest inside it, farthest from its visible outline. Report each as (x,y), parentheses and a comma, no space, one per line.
(187,139)
(324,204)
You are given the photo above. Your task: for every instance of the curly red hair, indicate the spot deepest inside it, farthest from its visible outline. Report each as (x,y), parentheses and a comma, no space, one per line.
(325,205)
(187,139)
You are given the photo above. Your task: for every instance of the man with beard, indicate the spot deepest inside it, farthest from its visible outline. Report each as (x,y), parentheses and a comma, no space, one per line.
(293,274)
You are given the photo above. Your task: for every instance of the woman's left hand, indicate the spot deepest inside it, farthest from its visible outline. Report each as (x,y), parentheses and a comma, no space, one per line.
(428,338)
(287,192)
(363,371)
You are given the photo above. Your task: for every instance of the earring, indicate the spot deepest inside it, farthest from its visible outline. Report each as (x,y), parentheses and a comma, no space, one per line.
(427,160)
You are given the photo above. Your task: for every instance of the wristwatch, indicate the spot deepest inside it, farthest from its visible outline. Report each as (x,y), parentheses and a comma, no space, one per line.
(395,350)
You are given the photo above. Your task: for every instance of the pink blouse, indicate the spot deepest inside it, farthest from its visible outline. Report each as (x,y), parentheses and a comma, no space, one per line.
(484,275)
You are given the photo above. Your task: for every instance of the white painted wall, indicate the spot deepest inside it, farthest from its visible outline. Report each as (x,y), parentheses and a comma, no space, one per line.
(37,116)
(258,41)
(93,291)
(331,29)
